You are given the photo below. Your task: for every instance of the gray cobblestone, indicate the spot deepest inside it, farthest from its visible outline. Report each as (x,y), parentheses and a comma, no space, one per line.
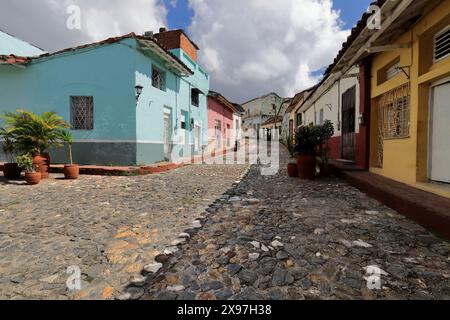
(324,233)
(110,227)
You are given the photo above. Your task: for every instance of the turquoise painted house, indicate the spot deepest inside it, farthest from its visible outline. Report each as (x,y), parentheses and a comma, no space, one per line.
(131,100)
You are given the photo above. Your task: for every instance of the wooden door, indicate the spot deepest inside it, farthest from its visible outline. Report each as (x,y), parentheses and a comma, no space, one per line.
(349,124)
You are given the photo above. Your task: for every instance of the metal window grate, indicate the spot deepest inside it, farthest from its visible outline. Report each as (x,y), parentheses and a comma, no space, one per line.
(82,113)
(394,113)
(158,79)
(195,98)
(442,44)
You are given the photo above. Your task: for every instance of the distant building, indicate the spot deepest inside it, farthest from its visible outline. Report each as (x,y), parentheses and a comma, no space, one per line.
(275,122)
(224,122)
(258,111)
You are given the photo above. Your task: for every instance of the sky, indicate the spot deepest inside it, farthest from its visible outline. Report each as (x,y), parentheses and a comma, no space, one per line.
(249,47)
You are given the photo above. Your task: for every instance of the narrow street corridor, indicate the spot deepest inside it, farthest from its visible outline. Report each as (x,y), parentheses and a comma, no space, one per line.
(276,237)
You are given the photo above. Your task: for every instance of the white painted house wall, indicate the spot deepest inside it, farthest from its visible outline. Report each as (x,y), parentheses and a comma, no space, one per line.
(331,103)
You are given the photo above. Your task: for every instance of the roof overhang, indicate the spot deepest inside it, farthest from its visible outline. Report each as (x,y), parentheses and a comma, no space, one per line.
(199,91)
(397,18)
(14,60)
(171,62)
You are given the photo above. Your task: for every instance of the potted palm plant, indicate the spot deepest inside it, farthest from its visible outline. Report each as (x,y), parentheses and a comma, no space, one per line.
(327,132)
(71,171)
(292,167)
(32,173)
(36,134)
(307,139)
(11,169)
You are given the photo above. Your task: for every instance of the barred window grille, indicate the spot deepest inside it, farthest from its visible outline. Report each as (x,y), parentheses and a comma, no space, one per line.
(158,79)
(82,113)
(195,97)
(394,112)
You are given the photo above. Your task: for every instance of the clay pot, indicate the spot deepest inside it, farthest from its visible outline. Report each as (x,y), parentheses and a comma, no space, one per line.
(292,169)
(306,167)
(325,170)
(71,172)
(33,178)
(11,171)
(42,162)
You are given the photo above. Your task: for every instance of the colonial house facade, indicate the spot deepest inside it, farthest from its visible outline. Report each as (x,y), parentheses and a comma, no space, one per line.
(275,122)
(130,100)
(291,119)
(410,99)
(258,111)
(224,122)
(387,93)
(339,103)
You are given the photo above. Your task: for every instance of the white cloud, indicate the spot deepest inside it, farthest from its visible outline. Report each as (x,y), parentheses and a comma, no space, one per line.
(255,46)
(44,22)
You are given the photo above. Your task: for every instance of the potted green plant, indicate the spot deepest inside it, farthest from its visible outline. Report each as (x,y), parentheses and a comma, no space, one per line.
(32,173)
(327,131)
(11,169)
(36,134)
(307,139)
(71,171)
(292,167)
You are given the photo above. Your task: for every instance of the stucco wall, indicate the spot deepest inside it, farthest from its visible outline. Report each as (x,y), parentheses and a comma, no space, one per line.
(217,111)
(177,98)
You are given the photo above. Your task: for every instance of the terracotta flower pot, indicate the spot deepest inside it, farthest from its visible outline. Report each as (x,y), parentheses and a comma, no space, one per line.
(42,161)
(11,171)
(306,167)
(292,169)
(33,178)
(71,172)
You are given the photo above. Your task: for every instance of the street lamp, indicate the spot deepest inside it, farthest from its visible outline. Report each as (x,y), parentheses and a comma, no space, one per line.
(138,90)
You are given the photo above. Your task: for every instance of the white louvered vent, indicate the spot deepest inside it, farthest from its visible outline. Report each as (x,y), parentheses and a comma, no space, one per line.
(442,44)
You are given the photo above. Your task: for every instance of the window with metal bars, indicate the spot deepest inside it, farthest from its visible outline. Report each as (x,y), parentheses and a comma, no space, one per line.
(82,113)
(158,79)
(394,113)
(195,97)
(442,44)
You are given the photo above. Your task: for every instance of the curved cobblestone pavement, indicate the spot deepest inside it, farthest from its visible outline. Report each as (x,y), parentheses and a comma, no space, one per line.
(281,238)
(110,227)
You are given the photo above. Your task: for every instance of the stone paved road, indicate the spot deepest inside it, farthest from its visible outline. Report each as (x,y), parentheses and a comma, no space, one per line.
(281,238)
(108,226)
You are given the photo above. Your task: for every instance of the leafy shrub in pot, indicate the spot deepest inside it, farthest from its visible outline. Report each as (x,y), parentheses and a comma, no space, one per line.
(327,132)
(11,169)
(71,171)
(307,139)
(35,134)
(32,174)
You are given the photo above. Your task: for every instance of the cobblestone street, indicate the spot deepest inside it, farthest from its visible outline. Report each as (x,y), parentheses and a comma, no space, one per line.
(280,238)
(109,227)
(268,237)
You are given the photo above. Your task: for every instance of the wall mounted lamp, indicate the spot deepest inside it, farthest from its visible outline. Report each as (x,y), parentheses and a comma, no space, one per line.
(138,90)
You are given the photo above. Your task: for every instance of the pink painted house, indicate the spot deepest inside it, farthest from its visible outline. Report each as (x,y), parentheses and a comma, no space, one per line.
(224,122)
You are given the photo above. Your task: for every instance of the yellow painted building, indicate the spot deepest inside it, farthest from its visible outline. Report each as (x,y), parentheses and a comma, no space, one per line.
(410,113)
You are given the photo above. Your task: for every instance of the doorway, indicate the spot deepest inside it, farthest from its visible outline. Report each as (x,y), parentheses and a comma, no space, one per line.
(167,133)
(197,132)
(218,133)
(440,133)
(348,124)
